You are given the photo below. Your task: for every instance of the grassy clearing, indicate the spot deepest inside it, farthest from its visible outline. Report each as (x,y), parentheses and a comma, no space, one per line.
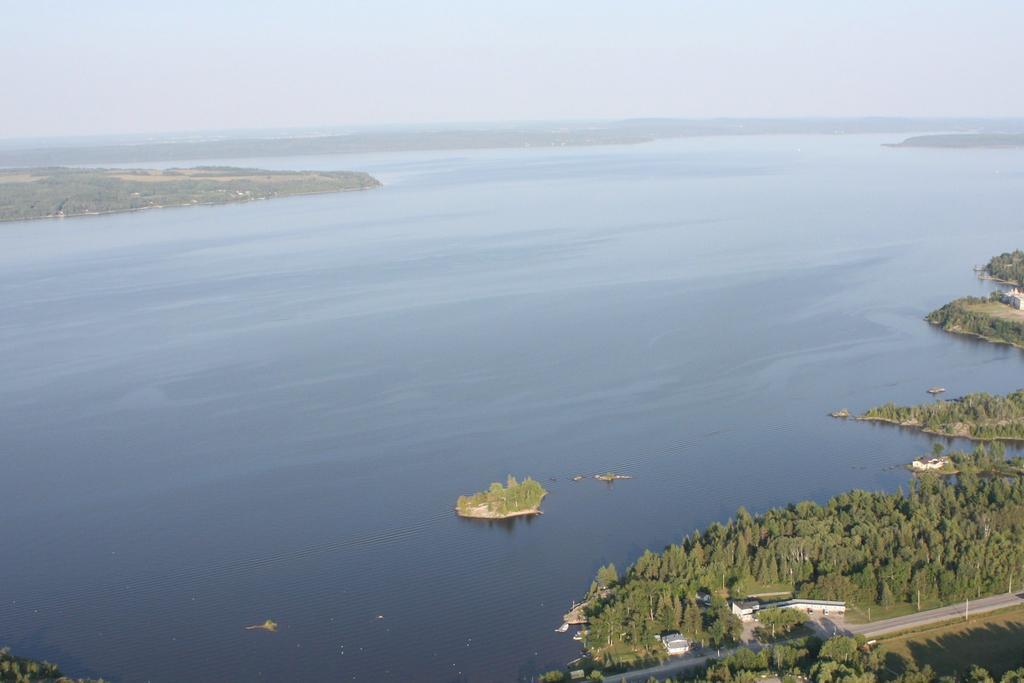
(621,656)
(992,640)
(11,177)
(770,591)
(857,614)
(178,174)
(764,634)
(996,310)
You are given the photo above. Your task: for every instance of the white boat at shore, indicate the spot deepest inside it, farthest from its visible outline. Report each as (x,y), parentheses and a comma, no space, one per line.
(563,628)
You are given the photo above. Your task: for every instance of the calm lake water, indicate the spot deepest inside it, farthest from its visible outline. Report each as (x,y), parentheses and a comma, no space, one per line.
(218,415)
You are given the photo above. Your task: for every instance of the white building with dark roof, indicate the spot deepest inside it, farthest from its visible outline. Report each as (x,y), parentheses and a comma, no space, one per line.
(747,610)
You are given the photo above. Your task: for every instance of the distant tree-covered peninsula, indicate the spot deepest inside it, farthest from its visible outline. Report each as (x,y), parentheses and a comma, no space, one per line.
(989,319)
(512,500)
(419,138)
(62,192)
(974,416)
(1000,317)
(963,140)
(1007,267)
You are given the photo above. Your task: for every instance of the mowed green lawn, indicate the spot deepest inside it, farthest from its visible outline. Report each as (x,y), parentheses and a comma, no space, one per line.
(995,642)
(622,655)
(997,310)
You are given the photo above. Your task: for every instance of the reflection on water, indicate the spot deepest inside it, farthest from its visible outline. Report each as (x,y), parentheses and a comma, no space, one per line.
(508,524)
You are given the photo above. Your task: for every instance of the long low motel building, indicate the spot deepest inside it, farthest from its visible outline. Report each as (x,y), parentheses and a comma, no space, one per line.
(747,610)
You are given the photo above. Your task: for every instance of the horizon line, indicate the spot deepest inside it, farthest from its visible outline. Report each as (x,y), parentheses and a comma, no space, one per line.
(334,129)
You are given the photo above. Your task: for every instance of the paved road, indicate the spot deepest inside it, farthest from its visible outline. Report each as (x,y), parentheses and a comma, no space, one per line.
(877,628)
(872,630)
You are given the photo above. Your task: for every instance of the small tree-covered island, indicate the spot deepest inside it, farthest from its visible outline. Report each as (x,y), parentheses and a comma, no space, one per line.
(515,499)
(64,192)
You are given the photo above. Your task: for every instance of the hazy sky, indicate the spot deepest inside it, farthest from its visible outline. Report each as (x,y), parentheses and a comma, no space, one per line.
(101,66)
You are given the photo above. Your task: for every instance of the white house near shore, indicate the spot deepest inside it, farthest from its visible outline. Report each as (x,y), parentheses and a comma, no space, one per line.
(747,610)
(929,463)
(675,644)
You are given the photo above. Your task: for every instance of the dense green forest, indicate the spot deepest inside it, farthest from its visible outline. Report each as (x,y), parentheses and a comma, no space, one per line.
(21,670)
(985,460)
(944,540)
(1008,266)
(977,316)
(61,192)
(515,498)
(836,660)
(975,416)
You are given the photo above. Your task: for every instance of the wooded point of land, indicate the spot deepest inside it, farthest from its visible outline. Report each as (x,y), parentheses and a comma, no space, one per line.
(65,192)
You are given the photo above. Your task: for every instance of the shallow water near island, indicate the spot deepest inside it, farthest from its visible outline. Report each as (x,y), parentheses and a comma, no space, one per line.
(219,415)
